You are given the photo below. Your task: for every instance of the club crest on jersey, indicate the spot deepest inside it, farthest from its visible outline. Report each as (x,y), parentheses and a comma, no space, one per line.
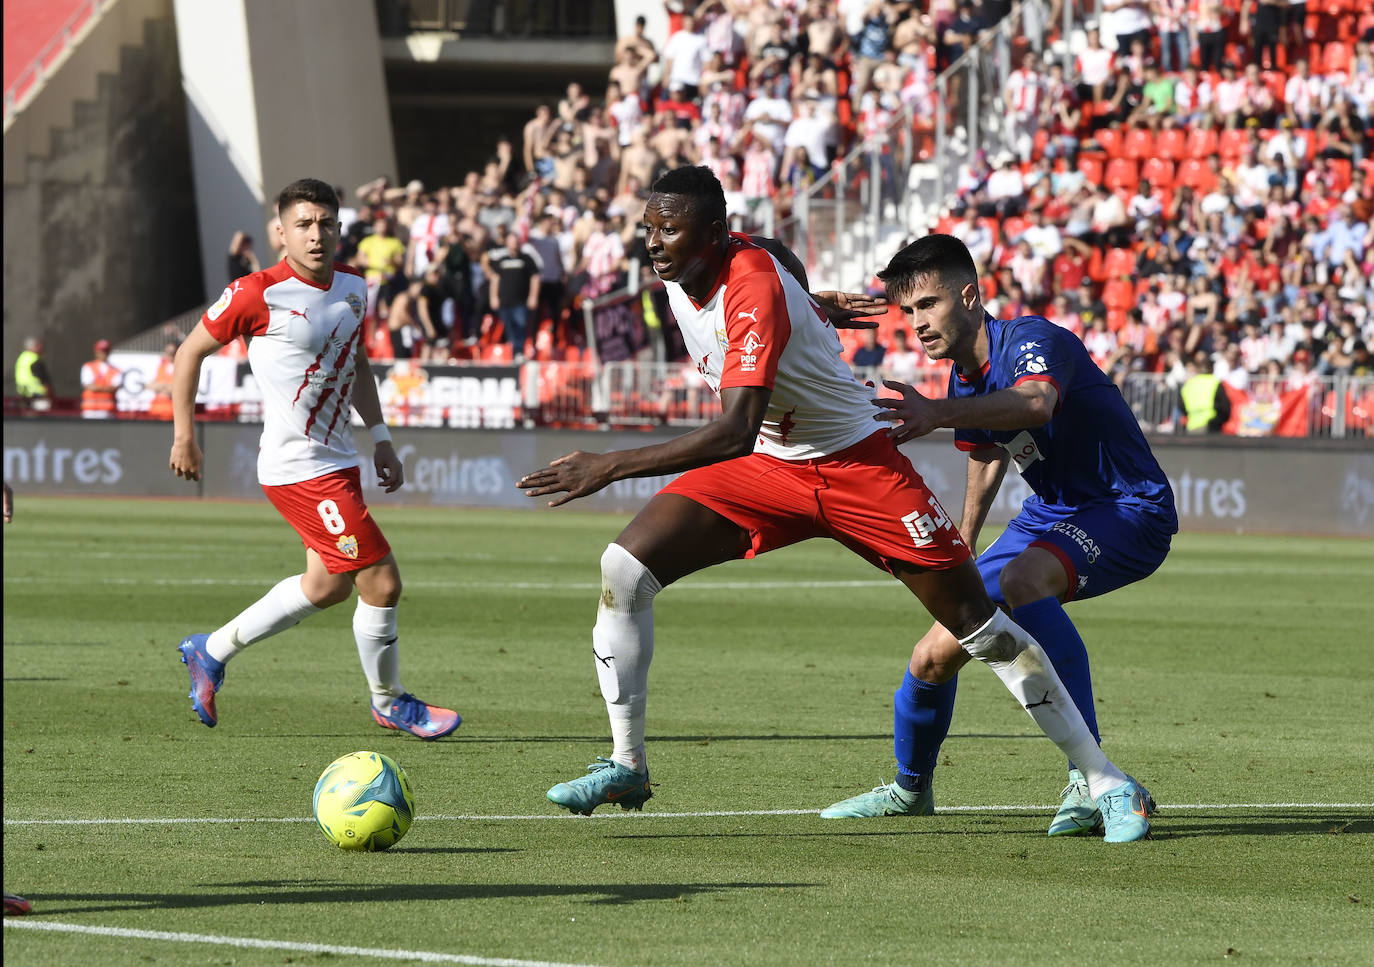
(225,298)
(1030,363)
(356,304)
(348,546)
(748,353)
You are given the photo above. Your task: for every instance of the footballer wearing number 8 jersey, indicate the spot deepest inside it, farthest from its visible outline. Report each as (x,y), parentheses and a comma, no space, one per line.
(794,455)
(302,320)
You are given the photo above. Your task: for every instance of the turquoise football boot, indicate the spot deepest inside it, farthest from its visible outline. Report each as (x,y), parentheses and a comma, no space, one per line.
(885,800)
(1078,814)
(605,782)
(1126,812)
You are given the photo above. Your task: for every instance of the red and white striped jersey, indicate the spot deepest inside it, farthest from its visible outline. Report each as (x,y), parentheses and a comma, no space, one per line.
(1025,88)
(760,328)
(759,166)
(302,340)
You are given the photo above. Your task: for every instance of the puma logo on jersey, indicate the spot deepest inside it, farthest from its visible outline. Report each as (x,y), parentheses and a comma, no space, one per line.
(752,315)
(300,312)
(748,353)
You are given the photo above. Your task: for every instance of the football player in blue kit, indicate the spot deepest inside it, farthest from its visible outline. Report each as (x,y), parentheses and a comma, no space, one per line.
(1101,514)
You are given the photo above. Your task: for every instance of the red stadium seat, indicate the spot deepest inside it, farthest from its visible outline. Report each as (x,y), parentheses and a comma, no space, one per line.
(1336,57)
(1196,175)
(1110,141)
(1140,144)
(1172,145)
(1231,143)
(1158,172)
(1014,225)
(1092,168)
(1121,173)
(1119,262)
(1202,142)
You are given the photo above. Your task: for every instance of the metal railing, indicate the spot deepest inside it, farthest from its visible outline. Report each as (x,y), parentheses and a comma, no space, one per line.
(31,79)
(1337,406)
(838,223)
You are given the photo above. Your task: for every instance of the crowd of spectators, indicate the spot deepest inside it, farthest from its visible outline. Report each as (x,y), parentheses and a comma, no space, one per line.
(1196,188)
(1184,220)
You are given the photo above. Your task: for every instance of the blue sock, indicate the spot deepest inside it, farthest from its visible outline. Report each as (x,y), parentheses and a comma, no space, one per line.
(921,712)
(1048,624)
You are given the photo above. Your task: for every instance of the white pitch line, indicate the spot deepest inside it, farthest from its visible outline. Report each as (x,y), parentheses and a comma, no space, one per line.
(381,953)
(629,815)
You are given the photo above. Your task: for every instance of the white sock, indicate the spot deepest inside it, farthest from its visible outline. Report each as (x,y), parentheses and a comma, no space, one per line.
(285,606)
(623,646)
(374,629)
(1022,665)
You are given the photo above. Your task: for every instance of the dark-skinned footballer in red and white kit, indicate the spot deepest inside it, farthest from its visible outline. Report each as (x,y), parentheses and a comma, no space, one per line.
(303,322)
(793,455)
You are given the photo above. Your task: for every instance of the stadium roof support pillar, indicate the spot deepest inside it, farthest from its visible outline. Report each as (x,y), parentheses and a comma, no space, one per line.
(275,92)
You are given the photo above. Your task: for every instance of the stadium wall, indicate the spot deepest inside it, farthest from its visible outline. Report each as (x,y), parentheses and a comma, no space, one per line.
(99,211)
(275,92)
(1235,486)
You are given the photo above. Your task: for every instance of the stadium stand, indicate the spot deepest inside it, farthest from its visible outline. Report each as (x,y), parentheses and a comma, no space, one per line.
(1227,208)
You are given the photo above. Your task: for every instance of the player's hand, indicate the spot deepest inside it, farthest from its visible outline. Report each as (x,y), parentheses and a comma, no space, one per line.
(850,310)
(391,473)
(911,416)
(186,459)
(577,474)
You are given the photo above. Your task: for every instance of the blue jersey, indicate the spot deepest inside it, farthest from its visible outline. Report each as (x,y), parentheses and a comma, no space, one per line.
(1091,451)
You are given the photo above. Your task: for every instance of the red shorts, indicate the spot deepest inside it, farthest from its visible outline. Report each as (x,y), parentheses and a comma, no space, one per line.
(332,519)
(868,497)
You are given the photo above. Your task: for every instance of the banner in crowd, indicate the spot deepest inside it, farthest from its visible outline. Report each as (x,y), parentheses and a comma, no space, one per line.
(412,394)
(1226,485)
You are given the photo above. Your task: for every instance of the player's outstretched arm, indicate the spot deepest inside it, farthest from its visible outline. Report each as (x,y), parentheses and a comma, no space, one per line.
(390,471)
(186,457)
(1021,407)
(850,310)
(730,435)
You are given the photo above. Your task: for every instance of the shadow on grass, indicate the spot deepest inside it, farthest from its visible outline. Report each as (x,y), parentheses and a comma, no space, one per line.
(275,892)
(407,850)
(604,740)
(1193,825)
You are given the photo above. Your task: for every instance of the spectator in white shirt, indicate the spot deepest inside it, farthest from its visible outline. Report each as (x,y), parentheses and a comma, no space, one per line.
(684,57)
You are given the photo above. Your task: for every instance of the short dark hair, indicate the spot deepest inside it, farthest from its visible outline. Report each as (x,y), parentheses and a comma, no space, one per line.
(941,255)
(699,185)
(311,190)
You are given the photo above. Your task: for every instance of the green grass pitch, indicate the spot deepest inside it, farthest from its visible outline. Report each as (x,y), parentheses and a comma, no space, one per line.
(1237,683)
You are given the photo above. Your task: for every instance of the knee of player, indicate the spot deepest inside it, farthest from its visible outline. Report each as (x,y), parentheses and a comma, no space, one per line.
(937,657)
(330,591)
(626,584)
(380,586)
(1024,580)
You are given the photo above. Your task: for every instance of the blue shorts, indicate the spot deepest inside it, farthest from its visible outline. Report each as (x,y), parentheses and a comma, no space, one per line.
(1102,548)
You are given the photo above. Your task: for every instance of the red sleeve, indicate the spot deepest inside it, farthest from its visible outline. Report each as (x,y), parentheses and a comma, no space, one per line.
(756,321)
(240,311)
